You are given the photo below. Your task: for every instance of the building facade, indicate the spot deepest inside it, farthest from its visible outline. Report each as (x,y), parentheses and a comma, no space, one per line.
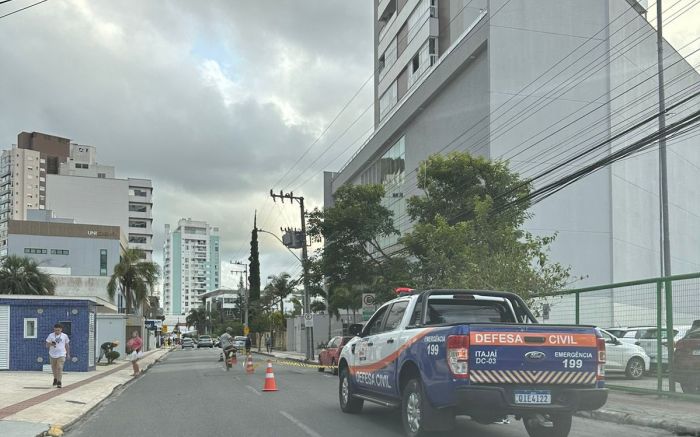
(50,172)
(533,84)
(191,265)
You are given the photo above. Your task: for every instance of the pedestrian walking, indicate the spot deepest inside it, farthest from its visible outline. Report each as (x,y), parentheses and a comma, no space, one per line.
(248,344)
(59,349)
(135,344)
(268,344)
(105,348)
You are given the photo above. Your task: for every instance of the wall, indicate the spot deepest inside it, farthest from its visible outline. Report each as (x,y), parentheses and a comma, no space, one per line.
(83,253)
(31,354)
(89,200)
(296,333)
(89,286)
(111,327)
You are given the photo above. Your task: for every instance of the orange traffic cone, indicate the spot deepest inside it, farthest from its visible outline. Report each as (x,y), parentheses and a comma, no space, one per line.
(270,384)
(249,364)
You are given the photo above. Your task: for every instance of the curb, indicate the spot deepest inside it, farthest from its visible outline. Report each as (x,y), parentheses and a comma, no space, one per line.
(632,419)
(116,388)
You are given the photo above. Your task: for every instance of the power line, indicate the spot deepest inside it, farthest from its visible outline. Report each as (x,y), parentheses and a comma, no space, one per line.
(22,9)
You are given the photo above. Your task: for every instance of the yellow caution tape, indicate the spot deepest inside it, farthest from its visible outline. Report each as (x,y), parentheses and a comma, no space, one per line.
(302,364)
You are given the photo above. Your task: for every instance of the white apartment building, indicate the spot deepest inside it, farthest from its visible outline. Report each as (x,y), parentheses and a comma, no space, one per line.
(532,83)
(20,177)
(191,265)
(83,162)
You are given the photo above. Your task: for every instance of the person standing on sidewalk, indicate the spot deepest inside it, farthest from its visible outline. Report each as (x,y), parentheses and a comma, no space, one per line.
(268,344)
(135,344)
(59,349)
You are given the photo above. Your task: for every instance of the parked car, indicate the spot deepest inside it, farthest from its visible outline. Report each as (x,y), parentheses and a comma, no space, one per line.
(328,356)
(625,357)
(187,342)
(205,341)
(645,336)
(239,342)
(686,360)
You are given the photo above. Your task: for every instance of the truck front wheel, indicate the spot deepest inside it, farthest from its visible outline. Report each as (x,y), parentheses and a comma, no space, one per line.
(348,403)
(548,425)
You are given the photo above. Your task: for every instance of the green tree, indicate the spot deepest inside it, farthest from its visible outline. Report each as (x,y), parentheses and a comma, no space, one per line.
(197,317)
(353,258)
(317,306)
(135,277)
(254,260)
(279,288)
(21,275)
(468,236)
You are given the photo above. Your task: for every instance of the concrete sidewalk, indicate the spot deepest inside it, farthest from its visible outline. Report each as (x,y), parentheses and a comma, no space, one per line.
(30,405)
(677,416)
(285,355)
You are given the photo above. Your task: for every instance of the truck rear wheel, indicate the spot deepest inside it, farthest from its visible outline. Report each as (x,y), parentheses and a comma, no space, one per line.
(548,425)
(412,409)
(348,403)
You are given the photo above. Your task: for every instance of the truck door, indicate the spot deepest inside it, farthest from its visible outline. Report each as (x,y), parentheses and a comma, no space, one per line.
(386,345)
(365,358)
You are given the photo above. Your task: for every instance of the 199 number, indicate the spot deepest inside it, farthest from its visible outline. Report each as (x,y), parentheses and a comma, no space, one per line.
(572,364)
(433,349)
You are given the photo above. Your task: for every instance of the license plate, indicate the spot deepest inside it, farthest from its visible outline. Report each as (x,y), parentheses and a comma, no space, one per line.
(696,352)
(533,397)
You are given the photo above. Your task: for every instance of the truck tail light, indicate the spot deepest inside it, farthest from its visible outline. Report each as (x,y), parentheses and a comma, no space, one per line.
(602,357)
(458,355)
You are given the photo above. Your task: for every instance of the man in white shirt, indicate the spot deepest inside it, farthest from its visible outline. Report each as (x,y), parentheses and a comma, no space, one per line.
(59,349)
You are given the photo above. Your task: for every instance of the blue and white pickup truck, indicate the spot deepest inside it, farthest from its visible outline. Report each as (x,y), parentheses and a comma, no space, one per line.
(437,354)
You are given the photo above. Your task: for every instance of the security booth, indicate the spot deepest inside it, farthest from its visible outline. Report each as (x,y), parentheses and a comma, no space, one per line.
(26,321)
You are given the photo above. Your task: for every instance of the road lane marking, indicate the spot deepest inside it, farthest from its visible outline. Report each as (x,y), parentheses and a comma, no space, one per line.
(253,390)
(305,428)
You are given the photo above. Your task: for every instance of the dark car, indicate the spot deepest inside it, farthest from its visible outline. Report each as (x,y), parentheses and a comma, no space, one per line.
(205,341)
(328,356)
(686,360)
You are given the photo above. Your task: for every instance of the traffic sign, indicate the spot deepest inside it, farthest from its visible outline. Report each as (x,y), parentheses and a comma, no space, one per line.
(309,320)
(246,330)
(368,305)
(164,329)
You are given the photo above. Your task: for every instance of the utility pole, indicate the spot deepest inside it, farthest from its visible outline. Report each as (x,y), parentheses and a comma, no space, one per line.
(246,296)
(663,193)
(304,264)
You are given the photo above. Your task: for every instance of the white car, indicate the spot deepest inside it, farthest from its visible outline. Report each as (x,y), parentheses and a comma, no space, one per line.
(645,336)
(625,357)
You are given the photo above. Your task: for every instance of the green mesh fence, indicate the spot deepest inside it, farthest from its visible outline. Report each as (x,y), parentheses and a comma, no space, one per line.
(640,313)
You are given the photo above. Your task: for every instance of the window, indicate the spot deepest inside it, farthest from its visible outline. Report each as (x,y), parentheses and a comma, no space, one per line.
(137,192)
(138,224)
(137,207)
(101,175)
(67,327)
(137,239)
(375,323)
(35,251)
(443,310)
(30,328)
(393,320)
(415,63)
(81,166)
(103,262)
(60,252)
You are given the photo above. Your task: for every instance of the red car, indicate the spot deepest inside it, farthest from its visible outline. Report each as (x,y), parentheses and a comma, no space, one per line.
(686,360)
(328,356)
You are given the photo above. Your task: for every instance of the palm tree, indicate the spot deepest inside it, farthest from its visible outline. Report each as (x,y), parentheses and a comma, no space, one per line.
(21,275)
(135,276)
(197,318)
(280,287)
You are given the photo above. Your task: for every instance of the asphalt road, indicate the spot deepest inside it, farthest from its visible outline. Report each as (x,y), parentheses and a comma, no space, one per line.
(190,394)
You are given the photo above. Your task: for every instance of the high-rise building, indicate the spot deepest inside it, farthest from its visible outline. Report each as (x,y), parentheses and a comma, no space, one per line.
(50,172)
(191,265)
(533,83)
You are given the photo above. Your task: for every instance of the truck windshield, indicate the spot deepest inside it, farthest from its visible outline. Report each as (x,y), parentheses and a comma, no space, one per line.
(447,311)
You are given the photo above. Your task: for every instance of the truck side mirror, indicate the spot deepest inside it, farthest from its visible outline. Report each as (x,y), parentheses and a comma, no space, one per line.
(355,329)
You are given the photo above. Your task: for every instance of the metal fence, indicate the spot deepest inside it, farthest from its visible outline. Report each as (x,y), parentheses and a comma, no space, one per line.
(651,313)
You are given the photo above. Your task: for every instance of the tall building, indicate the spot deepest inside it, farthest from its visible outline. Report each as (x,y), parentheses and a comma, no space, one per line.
(50,172)
(191,265)
(533,83)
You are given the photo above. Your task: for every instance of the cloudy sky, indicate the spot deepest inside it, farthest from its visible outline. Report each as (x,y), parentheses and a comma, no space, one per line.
(215,101)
